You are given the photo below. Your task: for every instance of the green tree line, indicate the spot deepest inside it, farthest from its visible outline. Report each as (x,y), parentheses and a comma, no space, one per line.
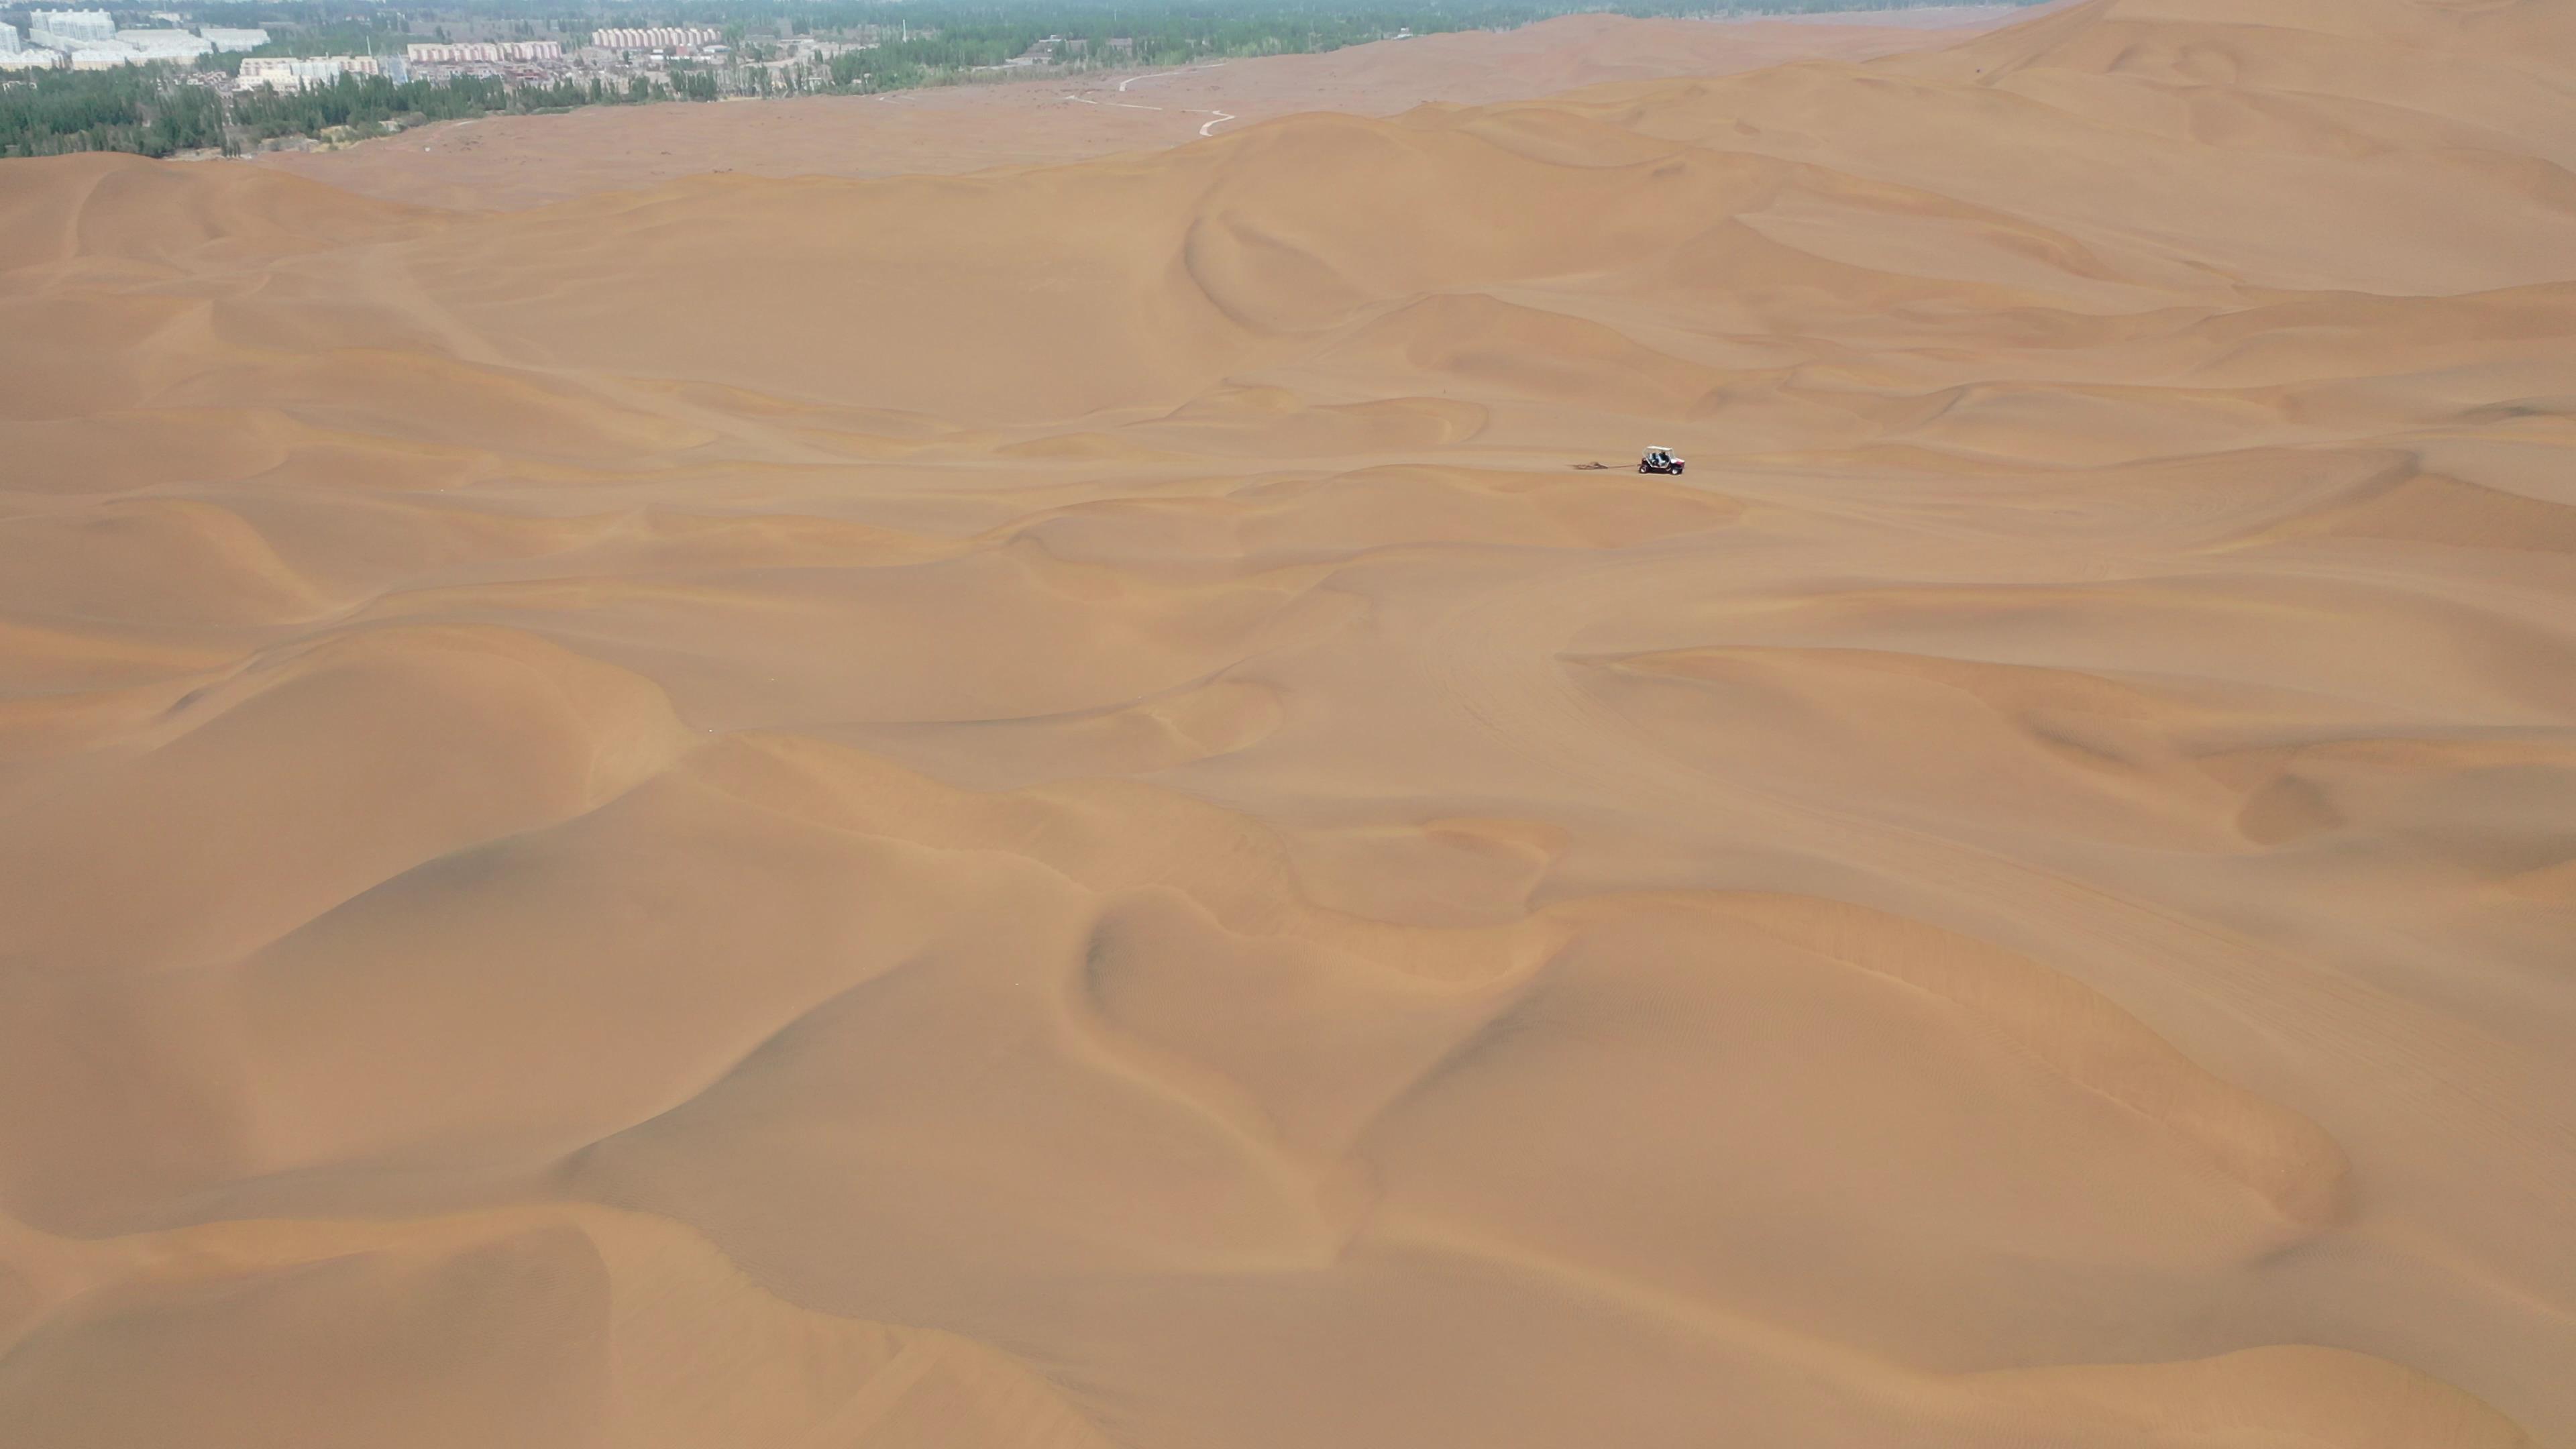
(366,102)
(141,109)
(924,42)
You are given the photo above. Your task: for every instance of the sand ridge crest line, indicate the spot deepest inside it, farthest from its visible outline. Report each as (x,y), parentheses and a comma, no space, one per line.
(2178,936)
(660,1274)
(1987,1396)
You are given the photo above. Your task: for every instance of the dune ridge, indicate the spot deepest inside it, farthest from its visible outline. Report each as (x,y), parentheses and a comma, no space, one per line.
(1038,809)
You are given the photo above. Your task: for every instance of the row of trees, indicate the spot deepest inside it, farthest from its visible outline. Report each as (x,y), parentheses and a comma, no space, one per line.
(928,41)
(365,103)
(49,113)
(153,111)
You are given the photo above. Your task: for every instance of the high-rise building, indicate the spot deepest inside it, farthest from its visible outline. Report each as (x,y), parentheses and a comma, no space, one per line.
(486,51)
(296,72)
(17,54)
(64,29)
(164,44)
(292,72)
(656,37)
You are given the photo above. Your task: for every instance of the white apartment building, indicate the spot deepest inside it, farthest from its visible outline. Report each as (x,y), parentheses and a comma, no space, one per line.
(124,47)
(16,54)
(486,51)
(296,72)
(164,44)
(655,37)
(286,72)
(65,29)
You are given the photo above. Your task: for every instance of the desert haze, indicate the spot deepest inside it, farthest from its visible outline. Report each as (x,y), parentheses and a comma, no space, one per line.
(1038,810)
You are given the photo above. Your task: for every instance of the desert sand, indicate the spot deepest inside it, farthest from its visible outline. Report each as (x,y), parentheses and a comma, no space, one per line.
(1038,809)
(517,161)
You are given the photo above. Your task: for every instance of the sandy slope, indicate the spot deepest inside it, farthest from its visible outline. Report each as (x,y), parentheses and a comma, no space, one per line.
(1036,810)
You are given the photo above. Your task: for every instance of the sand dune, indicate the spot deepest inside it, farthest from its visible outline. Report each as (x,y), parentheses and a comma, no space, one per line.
(1038,809)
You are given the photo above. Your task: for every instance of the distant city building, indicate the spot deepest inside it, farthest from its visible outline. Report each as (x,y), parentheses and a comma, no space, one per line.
(288,73)
(1040,52)
(17,55)
(63,29)
(285,73)
(223,39)
(656,37)
(487,51)
(164,44)
(124,47)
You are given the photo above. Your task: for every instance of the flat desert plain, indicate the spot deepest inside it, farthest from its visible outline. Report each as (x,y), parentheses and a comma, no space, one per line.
(1039,809)
(516,161)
